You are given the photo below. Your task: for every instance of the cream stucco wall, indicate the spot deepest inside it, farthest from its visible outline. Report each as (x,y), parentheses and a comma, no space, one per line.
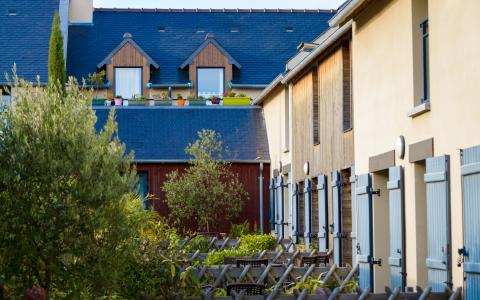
(386,87)
(81,11)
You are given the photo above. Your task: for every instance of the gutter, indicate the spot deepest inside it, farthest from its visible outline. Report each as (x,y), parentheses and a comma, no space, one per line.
(345,12)
(322,47)
(186,161)
(259,99)
(171,85)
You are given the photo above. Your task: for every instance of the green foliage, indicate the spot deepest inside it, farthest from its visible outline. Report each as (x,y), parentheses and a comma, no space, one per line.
(179,96)
(65,194)
(241,95)
(217,257)
(257,242)
(313,284)
(96,79)
(231,94)
(198,242)
(208,191)
(56,61)
(237,230)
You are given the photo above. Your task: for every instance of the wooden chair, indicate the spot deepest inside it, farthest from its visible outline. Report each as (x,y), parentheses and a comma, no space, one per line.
(255,263)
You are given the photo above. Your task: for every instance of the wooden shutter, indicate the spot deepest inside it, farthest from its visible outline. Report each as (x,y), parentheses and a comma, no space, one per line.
(438,222)
(322,213)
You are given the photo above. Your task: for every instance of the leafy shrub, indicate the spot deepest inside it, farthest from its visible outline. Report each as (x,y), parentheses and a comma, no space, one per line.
(231,94)
(199,242)
(257,242)
(237,230)
(241,95)
(217,257)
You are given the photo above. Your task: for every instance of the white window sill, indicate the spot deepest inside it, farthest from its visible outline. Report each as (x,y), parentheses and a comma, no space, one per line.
(419,110)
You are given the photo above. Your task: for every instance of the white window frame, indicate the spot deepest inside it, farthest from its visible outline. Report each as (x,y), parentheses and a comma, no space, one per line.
(122,86)
(221,82)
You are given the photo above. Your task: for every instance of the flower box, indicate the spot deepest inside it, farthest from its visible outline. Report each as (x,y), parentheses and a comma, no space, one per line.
(136,103)
(197,102)
(98,102)
(236,101)
(163,103)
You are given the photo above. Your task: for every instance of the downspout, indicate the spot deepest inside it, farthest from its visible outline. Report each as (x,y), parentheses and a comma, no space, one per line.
(260,178)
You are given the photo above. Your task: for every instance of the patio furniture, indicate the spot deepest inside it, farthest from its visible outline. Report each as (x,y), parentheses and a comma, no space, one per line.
(255,263)
(251,289)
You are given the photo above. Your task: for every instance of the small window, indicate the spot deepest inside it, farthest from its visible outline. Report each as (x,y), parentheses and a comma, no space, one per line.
(288,29)
(12,12)
(425,61)
(161,29)
(210,82)
(200,30)
(234,29)
(128,82)
(315,108)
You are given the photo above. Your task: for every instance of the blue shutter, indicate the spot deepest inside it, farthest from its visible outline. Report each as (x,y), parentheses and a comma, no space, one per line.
(438,222)
(396,219)
(295,212)
(272,204)
(307,197)
(322,213)
(353,234)
(337,218)
(364,231)
(279,205)
(471,211)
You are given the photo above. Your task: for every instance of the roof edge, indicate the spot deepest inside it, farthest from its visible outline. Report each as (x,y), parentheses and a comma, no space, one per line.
(173,161)
(317,51)
(345,12)
(259,99)
(215,10)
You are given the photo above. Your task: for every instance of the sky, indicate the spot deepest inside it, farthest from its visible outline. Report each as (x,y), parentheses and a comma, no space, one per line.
(309,4)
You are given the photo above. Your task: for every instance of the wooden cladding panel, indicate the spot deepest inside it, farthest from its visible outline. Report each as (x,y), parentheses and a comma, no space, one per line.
(128,56)
(210,57)
(346,216)
(315,107)
(347,91)
(335,151)
(248,174)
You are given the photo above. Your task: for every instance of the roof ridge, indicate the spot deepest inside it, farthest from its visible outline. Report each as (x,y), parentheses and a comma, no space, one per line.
(216,10)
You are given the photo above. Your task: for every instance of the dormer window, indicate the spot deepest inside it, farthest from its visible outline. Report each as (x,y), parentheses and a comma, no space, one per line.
(211,82)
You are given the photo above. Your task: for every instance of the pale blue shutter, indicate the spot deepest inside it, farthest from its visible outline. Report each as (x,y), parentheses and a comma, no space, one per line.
(322,214)
(396,219)
(337,218)
(272,204)
(438,222)
(295,212)
(279,206)
(307,197)
(471,213)
(353,234)
(364,231)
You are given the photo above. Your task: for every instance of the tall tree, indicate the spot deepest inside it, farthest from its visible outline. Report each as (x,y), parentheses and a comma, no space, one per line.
(56,60)
(208,192)
(65,193)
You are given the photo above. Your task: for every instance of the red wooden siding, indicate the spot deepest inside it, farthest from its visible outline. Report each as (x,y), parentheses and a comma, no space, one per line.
(248,175)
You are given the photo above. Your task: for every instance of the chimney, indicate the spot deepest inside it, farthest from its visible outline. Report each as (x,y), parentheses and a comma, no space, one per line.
(81,11)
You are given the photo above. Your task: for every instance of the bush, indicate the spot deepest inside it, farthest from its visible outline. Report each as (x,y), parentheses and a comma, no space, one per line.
(237,230)
(217,257)
(199,242)
(257,242)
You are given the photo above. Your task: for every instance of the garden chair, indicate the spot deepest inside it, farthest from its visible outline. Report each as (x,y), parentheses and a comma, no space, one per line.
(251,289)
(255,263)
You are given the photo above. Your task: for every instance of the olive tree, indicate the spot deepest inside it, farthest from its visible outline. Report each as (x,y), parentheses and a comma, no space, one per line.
(207,192)
(65,194)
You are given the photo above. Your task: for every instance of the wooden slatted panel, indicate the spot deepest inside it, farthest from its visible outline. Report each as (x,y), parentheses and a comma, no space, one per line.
(315,108)
(346,216)
(301,211)
(346,83)
(396,256)
(471,211)
(438,222)
(314,208)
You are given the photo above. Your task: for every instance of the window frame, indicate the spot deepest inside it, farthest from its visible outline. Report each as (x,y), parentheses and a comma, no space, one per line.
(198,81)
(115,78)
(425,60)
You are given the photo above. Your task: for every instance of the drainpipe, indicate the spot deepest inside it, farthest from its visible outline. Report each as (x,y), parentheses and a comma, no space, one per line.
(260,184)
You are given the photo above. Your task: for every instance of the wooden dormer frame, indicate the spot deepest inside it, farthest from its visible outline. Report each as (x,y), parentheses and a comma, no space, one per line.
(210,54)
(128,54)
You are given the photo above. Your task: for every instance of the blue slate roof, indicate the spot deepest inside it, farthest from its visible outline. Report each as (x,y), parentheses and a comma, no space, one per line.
(159,134)
(25,37)
(261,46)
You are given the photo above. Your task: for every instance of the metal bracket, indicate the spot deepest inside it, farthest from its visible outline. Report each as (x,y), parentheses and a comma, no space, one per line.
(377,262)
(376,192)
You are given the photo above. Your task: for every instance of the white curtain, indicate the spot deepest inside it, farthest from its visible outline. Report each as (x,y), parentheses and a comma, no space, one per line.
(128,82)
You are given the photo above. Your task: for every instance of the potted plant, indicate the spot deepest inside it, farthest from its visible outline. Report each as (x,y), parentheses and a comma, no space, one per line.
(163,100)
(109,100)
(196,101)
(118,100)
(96,80)
(232,99)
(180,100)
(214,100)
(148,102)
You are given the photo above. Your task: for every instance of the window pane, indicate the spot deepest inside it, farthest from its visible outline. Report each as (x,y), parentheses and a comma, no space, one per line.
(128,82)
(210,82)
